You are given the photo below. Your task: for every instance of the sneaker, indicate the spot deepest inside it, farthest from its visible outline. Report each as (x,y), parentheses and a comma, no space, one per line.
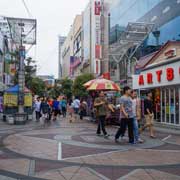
(153,137)
(140,141)
(132,142)
(98,134)
(116,140)
(106,136)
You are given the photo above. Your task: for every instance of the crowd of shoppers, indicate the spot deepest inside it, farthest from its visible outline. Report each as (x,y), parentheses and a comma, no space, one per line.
(129,107)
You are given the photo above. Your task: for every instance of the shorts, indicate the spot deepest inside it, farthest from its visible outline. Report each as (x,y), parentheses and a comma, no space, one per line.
(149,119)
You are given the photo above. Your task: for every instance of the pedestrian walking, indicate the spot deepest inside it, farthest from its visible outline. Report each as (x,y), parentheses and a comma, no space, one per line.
(149,114)
(45,110)
(101,106)
(37,108)
(76,104)
(82,108)
(136,107)
(126,116)
(56,109)
(71,110)
(63,105)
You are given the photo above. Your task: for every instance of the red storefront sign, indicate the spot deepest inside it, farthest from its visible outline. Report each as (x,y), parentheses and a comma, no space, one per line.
(159,73)
(97,8)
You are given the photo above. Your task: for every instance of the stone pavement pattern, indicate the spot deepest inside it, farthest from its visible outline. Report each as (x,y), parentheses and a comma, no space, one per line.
(72,151)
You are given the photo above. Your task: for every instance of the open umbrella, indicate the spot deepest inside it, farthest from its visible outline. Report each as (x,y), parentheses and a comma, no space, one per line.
(87,84)
(103,84)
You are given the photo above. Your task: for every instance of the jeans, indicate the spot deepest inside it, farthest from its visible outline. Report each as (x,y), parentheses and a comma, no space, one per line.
(38,115)
(135,129)
(64,111)
(101,125)
(121,131)
(76,110)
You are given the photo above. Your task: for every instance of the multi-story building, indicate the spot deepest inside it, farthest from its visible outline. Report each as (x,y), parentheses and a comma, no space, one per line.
(86,47)
(61,40)
(67,53)
(76,59)
(7,54)
(72,50)
(95,37)
(163,14)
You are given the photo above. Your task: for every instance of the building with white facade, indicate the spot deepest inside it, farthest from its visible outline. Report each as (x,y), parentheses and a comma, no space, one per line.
(95,37)
(61,40)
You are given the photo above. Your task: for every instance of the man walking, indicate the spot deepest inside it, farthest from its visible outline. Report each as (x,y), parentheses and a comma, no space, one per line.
(126,116)
(37,109)
(136,107)
(63,104)
(76,104)
(149,115)
(101,106)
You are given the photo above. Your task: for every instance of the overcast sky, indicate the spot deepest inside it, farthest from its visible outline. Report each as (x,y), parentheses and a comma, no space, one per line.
(54,17)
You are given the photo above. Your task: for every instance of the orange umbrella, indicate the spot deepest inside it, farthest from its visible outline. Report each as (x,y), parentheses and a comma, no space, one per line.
(103,84)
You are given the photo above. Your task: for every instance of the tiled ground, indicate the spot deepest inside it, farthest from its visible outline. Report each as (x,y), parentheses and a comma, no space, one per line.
(72,151)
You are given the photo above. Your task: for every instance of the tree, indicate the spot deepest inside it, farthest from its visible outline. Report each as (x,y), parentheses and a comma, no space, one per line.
(66,87)
(78,88)
(38,86)
(61,87)
(30,70)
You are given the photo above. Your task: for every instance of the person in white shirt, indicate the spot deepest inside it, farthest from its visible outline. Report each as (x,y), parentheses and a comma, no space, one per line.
(136,108)
(76,104)
(38,109)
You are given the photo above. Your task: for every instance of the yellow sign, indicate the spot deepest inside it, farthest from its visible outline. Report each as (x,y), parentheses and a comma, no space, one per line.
(28,100)
(10,100)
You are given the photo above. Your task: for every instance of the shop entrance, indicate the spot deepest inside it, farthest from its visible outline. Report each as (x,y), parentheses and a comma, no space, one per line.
(169,106)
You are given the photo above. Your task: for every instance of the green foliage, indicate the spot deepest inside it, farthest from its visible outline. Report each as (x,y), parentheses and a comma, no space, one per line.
(62,87)
(78,88)
(66,87)
(38,86)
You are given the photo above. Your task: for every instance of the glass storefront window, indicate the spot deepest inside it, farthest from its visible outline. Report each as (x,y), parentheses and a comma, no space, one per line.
(170,106)
(177,105)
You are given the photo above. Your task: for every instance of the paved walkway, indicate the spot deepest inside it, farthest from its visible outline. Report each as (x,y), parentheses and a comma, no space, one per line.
(72,151)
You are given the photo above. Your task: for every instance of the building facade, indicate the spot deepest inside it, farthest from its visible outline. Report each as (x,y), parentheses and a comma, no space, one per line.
(95,37)
(61,40)
(8,56)
(161,75)
(163,14)
(67,53)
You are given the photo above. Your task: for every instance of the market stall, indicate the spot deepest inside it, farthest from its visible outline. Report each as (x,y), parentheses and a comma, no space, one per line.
(10,101)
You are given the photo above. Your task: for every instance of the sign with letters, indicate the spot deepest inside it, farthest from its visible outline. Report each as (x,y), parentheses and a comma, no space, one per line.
(157,77)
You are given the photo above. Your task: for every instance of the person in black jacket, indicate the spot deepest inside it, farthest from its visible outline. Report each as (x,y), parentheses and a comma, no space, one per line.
(45,109)
(149,114)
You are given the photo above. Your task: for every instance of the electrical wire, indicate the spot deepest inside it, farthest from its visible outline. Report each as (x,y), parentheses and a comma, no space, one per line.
(27,9)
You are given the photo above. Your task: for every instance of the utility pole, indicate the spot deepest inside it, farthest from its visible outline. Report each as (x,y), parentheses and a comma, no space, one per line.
(21,115)
(22,31)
